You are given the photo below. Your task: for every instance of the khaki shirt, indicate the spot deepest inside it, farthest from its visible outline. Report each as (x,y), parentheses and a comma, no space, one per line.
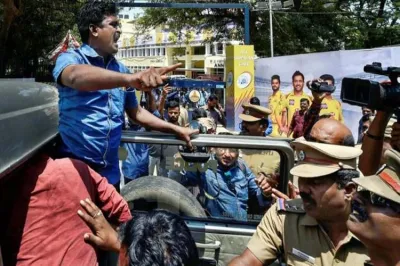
(261,161)
(301,240)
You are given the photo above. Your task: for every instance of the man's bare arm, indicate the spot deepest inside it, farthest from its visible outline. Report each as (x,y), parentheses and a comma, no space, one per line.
(284,117)
(247,258)
(163,99)
(147,120)
(91,78)
(372,148)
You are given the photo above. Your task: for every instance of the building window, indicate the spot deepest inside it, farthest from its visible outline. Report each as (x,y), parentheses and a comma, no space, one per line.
(126,16)
(220,48)
(199,50)
(120,16)
(212,50)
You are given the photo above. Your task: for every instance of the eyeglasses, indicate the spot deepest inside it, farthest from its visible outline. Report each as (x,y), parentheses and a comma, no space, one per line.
(228,150)
(379,201)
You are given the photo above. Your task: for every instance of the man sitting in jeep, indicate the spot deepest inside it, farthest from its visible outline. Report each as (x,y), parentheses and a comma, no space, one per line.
(226,189)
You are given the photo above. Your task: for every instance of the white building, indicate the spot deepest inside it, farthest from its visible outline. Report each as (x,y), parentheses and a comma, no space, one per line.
(160,47)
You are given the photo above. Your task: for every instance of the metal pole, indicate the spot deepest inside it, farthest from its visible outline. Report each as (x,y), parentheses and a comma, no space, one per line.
(271,29)
(247,25)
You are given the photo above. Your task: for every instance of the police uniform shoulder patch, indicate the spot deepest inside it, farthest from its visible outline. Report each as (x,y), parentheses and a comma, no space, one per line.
(291,206)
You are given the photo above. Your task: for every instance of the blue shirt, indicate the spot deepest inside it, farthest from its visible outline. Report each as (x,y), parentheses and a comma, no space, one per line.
(227,192)
(203,98)
(137,163)
(91,122)
(269,128)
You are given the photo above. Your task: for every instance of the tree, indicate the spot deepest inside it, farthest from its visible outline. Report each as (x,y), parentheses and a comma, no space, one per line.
(11,9)
(371,23)
(36,29)
(316,27)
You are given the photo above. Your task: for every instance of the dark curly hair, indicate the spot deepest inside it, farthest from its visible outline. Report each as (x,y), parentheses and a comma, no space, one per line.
(159,238)
(94,12)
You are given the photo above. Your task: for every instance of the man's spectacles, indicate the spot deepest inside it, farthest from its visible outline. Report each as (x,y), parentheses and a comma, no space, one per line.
(228,150)
(379,201)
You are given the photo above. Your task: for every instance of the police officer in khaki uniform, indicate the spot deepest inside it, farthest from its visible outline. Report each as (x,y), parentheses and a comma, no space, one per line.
(311,230)
(376,212)
(261,162)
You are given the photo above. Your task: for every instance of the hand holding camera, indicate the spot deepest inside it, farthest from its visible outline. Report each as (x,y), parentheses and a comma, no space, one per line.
(319,89)
(166,89)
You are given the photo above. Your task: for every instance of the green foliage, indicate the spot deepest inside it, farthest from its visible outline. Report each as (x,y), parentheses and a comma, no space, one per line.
(36,32)
(317,27)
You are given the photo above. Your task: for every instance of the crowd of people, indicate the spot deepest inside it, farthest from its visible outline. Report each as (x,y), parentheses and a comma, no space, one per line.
(344,211)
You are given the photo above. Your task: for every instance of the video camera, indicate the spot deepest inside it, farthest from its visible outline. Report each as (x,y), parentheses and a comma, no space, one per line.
(374,95)
(320,86)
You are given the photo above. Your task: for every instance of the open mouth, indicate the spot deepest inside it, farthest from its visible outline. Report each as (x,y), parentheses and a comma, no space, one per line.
(359,213)
(116,37)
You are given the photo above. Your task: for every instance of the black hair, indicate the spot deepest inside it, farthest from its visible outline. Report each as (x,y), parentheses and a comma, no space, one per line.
(172,104)
(365,118)
(94,12)
(213,97)
(348,141)
(344,177)
(265,122)
(324,116)
(305,100)
(225,133)
(159,238)
(276,77)
(198,113)
(255,101)
(328,77)
(297,73)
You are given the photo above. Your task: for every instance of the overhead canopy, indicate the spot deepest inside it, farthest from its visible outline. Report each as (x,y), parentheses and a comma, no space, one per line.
(196,83)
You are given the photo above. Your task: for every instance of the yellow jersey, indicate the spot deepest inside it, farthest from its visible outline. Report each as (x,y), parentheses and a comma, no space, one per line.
(332,107)
(274,104)
(292,104)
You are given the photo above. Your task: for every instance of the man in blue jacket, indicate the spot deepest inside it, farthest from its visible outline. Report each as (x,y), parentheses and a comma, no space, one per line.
(228,187)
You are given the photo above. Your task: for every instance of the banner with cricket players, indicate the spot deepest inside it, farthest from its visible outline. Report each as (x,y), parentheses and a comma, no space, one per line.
(339,64)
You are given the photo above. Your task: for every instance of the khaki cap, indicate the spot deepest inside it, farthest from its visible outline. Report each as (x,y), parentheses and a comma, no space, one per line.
(319,159)
(194,96)
(254,113)
(386,183)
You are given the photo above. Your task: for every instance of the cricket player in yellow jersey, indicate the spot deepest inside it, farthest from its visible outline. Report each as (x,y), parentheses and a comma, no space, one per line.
(331,106)
(292,101)
(274,104)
